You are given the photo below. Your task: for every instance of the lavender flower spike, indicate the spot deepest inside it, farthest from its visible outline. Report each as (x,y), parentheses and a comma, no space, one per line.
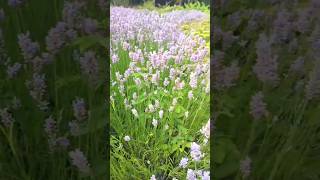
(13,70)
(267,65)
(79,160)
(257,106)
(79,109)
(245,167)
(89,65)
(28,48)
(6,117)
(14,3)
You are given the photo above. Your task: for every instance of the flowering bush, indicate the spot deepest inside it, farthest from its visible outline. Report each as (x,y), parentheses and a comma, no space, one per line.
(159,96)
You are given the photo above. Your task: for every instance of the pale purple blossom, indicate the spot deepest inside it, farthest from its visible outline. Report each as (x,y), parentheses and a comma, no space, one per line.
(74,128)
(79,160)
(184,162)
(6,117)
(79,109)
(258,107)
(15,3)
(28,47)
(13,70)
(89,25)
(267,66)
(195,152)
(245,167)
(89,65)
(191,175)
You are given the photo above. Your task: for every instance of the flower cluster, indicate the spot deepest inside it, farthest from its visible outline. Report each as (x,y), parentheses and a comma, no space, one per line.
(159,78)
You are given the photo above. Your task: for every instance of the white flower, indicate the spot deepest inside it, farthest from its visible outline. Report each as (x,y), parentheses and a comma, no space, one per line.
(171,108)
(127,138)
(154,122)
(191,175)
(174,179)
(135,113)
(166,126)
(205,175)
(134,96)
(153,177)
(166,82)
(184,162)
(174,101)
(205,130)
(190,95)
(186,114)
(137,81)
(156,104)
(161,114)
(195,151)
(151,108)
(198,172)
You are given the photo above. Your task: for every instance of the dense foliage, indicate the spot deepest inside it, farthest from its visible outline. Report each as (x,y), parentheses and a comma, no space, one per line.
(52,89)
(267,84)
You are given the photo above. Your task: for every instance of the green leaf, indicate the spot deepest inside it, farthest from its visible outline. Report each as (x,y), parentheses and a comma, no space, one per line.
(89,41)
(219,153)
(226,169)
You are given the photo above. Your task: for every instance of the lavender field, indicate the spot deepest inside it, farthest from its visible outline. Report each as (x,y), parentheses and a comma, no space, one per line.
(160,86)
(52,89)
(266,83)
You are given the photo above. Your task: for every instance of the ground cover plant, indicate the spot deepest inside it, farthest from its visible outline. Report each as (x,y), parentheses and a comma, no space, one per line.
(160,126)
(52,89)
(267,84)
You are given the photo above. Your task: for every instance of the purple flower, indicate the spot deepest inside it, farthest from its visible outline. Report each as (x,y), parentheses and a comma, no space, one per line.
(6,117)
(71,14)
(226,77)
(79,109)
(267,65)
(257,106)
(89,25)
(50,127)
(79,160)
(245,167)
(56,38)
(47,58)
(282,26)
(74,128)
(13,70)
(29,49)
(89,65)
(63,142)
(37,87)
(297,66)
(303,24)
(14,3)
